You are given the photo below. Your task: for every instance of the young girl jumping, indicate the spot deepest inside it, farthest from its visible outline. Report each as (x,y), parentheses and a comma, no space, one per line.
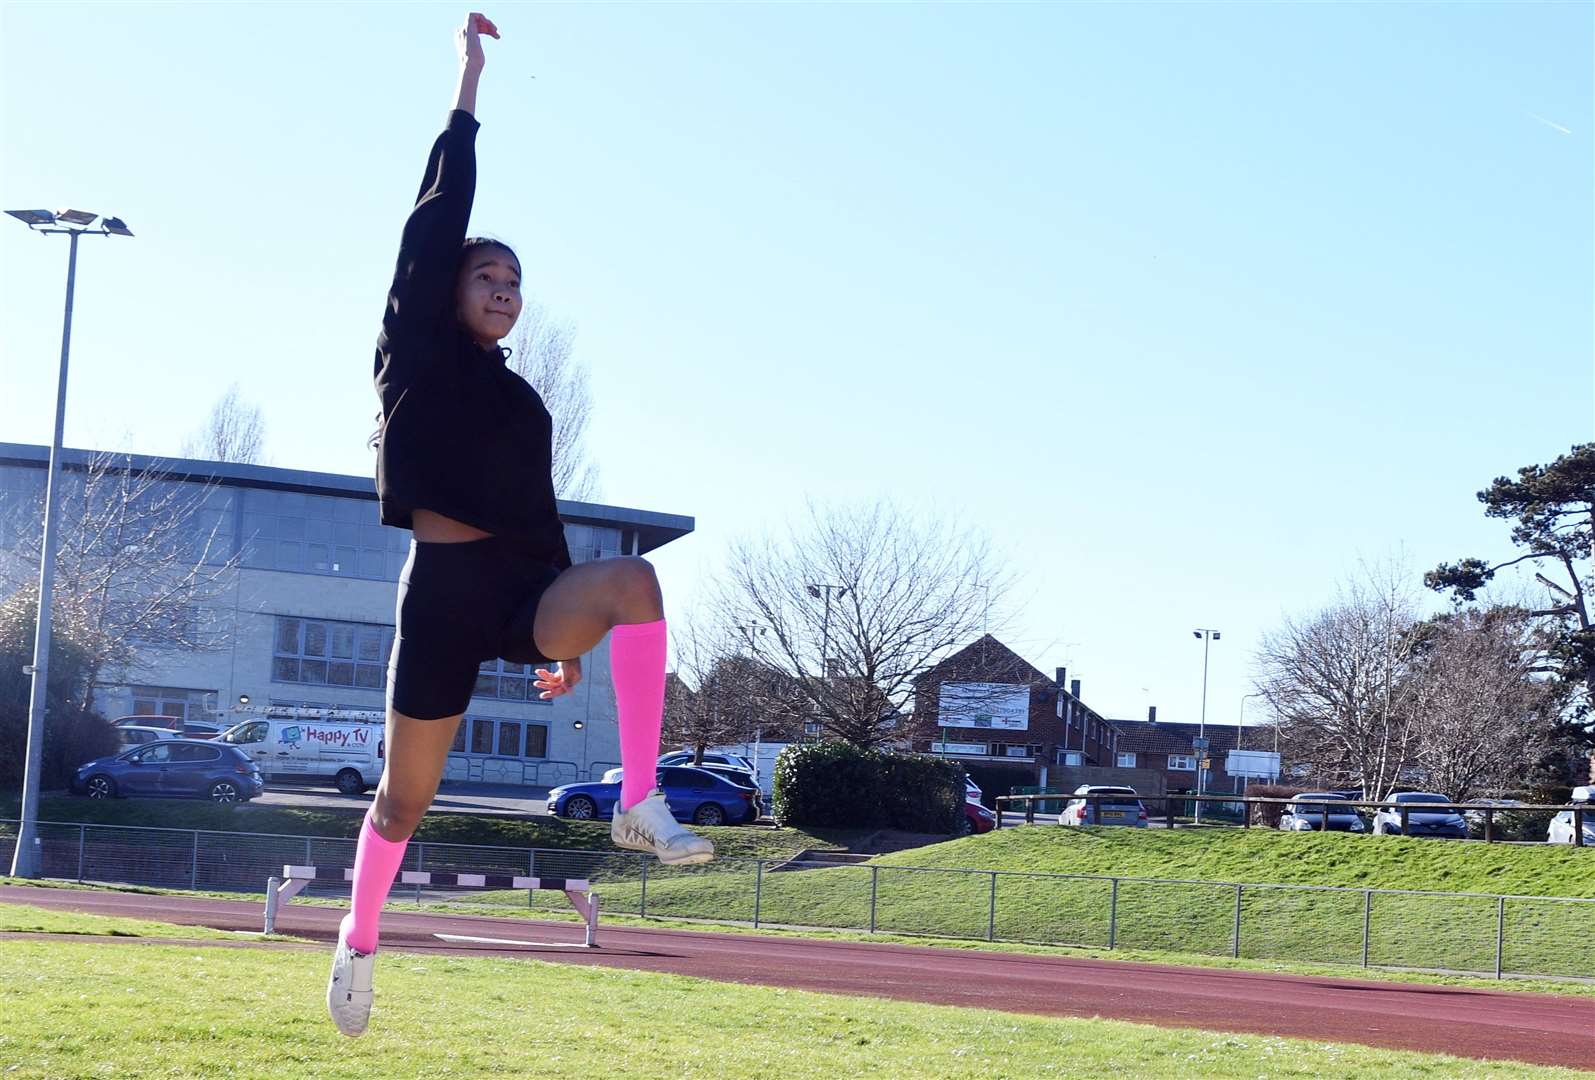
(464,461)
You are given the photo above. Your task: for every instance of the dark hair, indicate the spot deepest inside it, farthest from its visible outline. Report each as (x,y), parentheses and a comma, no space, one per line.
(471,244)
(474,242)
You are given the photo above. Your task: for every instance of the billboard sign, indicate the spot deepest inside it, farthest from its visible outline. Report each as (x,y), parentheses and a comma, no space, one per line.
(1253,764)
(996,706)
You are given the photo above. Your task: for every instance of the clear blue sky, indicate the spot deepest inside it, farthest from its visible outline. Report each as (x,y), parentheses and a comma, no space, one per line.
(1193,307)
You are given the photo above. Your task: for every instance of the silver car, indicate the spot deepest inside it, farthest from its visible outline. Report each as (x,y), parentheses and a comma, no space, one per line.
(1116,806)
(1441,821)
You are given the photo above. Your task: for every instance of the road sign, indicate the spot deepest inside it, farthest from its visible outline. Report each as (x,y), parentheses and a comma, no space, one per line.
(1207,763)
(1199,743)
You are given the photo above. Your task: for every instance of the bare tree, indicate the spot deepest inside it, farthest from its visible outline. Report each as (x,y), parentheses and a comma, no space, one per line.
(542,356)
(858,601)
(235,431)
(138,557)
(1336,683)
(718,693)
(1482,710)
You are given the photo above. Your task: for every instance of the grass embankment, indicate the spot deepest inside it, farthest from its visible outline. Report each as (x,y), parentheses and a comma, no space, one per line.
(910,895)
(242,1012)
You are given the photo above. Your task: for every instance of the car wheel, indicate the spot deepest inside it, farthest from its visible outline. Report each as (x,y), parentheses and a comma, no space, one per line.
(350,782)
(580,808)
(224,791)
(969,826)
(709,814)
(100,786)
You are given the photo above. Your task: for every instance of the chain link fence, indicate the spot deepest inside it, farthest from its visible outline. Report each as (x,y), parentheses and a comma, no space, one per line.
(1499,935)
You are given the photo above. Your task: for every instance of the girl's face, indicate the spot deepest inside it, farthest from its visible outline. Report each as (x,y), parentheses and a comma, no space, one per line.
(489,294)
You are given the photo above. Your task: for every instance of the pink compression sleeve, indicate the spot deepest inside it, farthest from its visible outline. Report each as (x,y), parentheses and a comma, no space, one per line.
(637,665)
(376,863)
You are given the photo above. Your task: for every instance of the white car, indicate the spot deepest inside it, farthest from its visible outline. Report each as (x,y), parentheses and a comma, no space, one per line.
(1561,830)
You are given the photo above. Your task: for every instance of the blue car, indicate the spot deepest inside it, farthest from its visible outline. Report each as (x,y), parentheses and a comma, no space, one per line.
(694,795)
(173,768)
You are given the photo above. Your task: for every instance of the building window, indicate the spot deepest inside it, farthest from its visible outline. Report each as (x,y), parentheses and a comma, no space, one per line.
(1126,761)
(324,653)
(506,681)
(1069,758)
(1182,763)
(173,701)
(320,534)
(589,542)
(485,737)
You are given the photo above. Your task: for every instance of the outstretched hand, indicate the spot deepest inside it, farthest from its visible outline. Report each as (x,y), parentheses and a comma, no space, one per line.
(554,683)
(468,38)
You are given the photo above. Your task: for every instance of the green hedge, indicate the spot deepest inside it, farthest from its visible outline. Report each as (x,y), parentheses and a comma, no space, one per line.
(835,784)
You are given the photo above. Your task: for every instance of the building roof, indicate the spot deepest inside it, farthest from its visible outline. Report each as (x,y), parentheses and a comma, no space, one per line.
(653,529)
(1152,737)
(984,658)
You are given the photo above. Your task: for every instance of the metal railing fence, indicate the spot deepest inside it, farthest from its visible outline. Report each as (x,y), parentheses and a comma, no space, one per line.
(1491,934)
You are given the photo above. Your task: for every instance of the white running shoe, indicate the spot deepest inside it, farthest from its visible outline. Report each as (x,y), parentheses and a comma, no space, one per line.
(349,988)
(649,826)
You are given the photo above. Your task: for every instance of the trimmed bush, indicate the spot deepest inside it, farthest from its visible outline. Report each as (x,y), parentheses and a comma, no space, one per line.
(1269,813)
(835,784)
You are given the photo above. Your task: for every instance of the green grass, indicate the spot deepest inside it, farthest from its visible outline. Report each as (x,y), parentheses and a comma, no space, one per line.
(259,1014)
(913,895)
(1266,855)
(24,918)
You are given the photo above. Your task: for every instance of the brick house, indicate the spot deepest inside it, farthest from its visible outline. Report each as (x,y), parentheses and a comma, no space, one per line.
(1169,748)
(1006,738)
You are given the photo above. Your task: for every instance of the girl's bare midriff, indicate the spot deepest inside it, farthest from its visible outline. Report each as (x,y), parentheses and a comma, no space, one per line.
(434,528)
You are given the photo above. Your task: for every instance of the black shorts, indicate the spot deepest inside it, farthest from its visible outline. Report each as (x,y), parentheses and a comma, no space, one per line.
(461,604)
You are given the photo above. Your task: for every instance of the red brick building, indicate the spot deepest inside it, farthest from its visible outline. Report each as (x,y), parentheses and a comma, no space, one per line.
(1008,723)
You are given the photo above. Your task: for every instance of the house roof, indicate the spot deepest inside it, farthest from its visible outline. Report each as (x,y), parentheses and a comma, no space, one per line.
(985,657)
(1152,737)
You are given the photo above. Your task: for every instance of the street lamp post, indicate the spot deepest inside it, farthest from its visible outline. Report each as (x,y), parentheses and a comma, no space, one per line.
(73,224)
(1208,637)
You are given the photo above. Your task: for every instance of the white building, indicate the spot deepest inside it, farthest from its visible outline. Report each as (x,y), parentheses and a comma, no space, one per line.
(307,618)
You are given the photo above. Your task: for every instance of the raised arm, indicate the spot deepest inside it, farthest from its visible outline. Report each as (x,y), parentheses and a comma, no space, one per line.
(429,250)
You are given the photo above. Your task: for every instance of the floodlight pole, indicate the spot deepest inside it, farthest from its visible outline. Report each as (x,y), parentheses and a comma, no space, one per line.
(25,860)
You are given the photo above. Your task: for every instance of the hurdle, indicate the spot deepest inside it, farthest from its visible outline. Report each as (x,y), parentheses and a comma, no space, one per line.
(578,891)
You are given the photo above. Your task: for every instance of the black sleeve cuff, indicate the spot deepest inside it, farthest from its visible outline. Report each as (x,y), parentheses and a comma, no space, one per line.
(461,122)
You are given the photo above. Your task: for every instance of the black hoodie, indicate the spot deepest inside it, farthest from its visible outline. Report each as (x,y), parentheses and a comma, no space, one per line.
(462,435)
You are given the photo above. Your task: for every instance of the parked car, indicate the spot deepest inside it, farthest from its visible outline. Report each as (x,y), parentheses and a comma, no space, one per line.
(176,727)
(1561,828)
(172,768)
(972,792)
(977,819)
(136,735)
(737,776)
(1120,806)
(694,795)
(174,724)
(1311,810)
(731,761)
(350,753)
(1440,821)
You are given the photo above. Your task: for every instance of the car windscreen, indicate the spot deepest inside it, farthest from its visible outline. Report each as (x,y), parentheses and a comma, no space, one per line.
(1341,810)
(1419,797)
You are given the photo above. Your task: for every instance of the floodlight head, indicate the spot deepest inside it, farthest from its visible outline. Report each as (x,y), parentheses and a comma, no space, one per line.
(1196,633)
(33,217)
(75,217)
(117,227)
(1217,635)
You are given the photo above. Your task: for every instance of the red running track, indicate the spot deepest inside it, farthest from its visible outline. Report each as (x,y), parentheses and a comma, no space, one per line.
(1541,1028)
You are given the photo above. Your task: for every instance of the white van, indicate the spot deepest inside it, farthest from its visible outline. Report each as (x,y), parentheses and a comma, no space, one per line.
(349,752)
